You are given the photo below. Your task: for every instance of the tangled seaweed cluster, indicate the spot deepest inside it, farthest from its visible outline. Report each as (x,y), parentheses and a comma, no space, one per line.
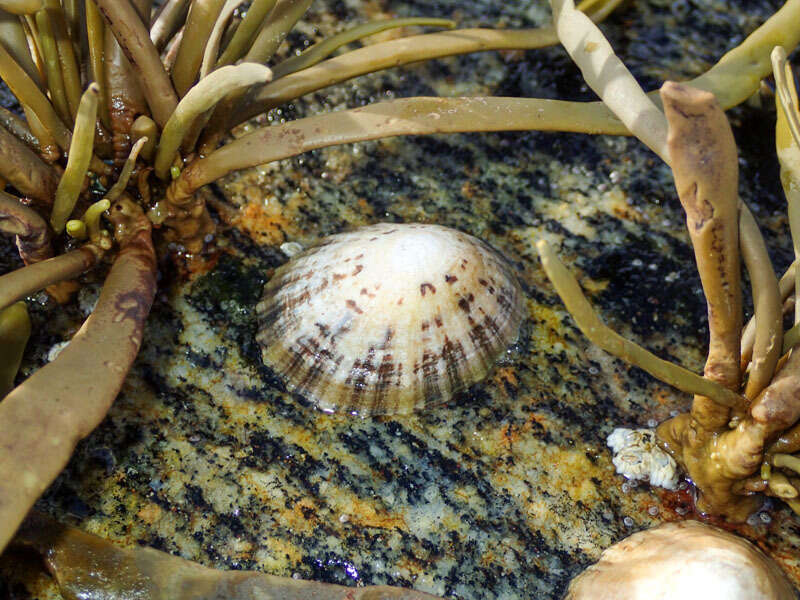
(740,438)
(138,103)
(133,105)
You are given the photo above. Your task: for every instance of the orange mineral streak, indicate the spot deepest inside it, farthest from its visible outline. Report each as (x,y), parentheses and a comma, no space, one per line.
(363,514)
(266,224)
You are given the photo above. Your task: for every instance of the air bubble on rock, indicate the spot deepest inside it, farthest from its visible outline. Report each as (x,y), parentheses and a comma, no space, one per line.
(651,423)
(680,8)
(628,522)
(652,511)
(764,517)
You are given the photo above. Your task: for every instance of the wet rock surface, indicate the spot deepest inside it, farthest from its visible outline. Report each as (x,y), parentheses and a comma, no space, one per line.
(507,491)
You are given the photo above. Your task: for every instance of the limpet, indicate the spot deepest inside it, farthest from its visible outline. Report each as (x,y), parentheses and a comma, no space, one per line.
(389,318)
(675,561)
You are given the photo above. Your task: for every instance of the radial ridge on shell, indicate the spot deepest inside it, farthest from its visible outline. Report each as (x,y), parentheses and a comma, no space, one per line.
(389,318)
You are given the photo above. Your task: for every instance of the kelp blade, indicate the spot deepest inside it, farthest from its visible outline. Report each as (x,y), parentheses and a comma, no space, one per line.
(87,566)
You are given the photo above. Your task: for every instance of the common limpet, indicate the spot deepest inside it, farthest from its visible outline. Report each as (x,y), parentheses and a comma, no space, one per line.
(388,318)
(675,561)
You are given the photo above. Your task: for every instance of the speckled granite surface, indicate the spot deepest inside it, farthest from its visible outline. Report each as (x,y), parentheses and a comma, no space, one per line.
(508,491)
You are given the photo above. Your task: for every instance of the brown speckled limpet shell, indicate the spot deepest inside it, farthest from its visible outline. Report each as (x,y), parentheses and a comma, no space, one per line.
(389,318)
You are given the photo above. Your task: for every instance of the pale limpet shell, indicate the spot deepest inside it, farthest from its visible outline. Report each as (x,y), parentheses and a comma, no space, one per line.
(389,318)
(678,561)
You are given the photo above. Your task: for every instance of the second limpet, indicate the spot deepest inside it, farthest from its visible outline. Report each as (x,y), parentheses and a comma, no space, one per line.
(389,318)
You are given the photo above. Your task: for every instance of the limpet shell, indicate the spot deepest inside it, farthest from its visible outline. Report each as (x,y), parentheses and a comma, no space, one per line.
(675,561)
(389,318)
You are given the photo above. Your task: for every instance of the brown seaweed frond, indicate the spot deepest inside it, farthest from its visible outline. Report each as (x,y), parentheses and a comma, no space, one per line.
(134,40)
(33,235)
(80,155)
(65,400)
(719,447)
(19,284)
(406,116)
(199,23)
(279,22)
(22,167)
(608,76)
(609,340)
(768,306)
(705,168)
(15,329)
(322,50)
(87,566)
(787,145)
(201,98)
(168,21)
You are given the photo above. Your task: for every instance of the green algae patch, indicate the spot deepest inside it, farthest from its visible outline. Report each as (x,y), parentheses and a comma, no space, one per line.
(227,296)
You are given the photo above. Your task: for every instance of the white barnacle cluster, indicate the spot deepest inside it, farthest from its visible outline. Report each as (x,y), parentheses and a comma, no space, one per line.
(637,456)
